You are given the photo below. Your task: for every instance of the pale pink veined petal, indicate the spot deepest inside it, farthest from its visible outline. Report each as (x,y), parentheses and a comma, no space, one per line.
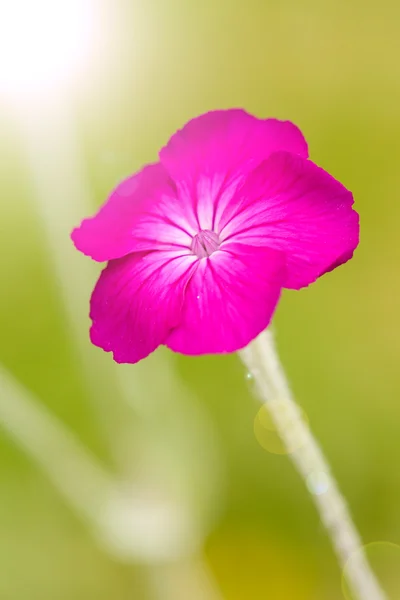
(142,213)
(211,156)
(229,300)
(291,205)
(137,301)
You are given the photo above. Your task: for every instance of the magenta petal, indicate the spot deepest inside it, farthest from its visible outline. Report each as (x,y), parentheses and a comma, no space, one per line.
(229,300)
(142,213)
(213,153)
(137,301)
(291,205)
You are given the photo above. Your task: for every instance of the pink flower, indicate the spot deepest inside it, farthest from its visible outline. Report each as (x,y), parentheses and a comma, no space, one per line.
(201,243)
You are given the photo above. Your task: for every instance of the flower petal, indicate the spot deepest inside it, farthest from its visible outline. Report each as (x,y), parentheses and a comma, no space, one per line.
(210,157)
(142,213)
(137,301)
(229,300)
(291,205)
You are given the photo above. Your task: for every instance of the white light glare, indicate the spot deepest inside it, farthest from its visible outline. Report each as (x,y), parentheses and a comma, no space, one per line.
(43,42)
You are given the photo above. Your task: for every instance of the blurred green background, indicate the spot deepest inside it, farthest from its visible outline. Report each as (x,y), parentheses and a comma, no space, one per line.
(201,511)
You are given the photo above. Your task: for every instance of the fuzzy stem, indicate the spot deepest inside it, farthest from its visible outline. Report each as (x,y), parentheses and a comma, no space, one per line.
(262,361)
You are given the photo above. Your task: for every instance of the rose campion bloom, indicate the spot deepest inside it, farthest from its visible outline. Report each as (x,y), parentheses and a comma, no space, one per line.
(200,244)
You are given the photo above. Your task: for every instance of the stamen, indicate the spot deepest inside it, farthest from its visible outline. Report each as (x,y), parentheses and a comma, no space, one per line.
(205,243)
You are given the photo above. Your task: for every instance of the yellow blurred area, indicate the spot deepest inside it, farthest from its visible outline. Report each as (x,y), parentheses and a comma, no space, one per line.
(147,481)
(249,566)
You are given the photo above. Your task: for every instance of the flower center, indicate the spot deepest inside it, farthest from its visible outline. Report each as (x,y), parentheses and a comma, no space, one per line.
(205,243)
